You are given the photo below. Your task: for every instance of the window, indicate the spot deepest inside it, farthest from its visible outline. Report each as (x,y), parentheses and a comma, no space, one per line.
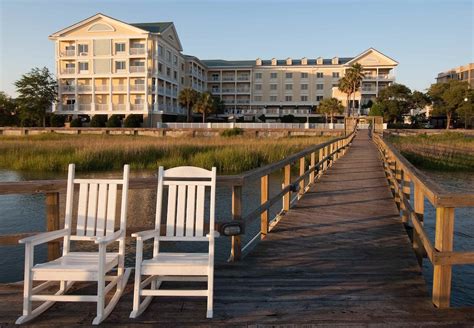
(273,98)
(160,50)
(304,87)
(289,75)
(288,86)
(319,75)
(215,77)
(258,76)
(319,86)
(175,60)
(175,75)
(119,65)
(83,49)
(168,71)
(182,80)
(273,86)
(182,67)
(304,75)
(119,47)
(288,98)
(319,98)
(304,98)
(160,67)
(273,75)
(83,66)
(335,75)
(168,56)
(257,98)
(258,87)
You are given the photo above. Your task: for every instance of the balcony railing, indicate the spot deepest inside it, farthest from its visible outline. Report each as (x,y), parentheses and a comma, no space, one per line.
(68,88)
(102,107)
(119,107)
(369,90)
(243,101)
(120,87)
(243,90)
(102,87)
(214,91)
(84,88)
(228,78)
(243,78)
(137,106)
(69,70)
(137,69)
(68,53)
(137,51)
(137,87)
(215,78)
(69,107)
(228,90)
(85,107)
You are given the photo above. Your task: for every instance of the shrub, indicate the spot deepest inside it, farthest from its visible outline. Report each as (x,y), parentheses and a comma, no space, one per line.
(57,121)
(98,121)
(232,132)
(133,121)
(114,121)
(76,123)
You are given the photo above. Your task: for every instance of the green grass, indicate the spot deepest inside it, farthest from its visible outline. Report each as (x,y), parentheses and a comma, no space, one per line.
(450,151)
(231,155)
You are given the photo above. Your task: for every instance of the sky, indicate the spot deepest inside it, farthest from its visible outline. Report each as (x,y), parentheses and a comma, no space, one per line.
(425,37)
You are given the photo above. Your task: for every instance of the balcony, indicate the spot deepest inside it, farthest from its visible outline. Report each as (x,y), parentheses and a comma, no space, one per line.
(84,88)
(137,51)
(137,87)
(214,91)
(243,78)
(137,69)
(102,107)
(214,78)
(68,70)
(68,88)
(121,107)
(243,101)
(368,90)
(243,90)
(383,77)
(102,88)
(68,53)
(228,78)
(68,107)
(136,107)
(85,107)
(120,88)
(228,90)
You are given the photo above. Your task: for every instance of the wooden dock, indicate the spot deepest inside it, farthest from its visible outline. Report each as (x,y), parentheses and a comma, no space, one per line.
(340,257)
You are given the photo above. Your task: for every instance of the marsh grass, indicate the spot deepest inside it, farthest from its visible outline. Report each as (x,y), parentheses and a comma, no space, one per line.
(448,151)
(231,155)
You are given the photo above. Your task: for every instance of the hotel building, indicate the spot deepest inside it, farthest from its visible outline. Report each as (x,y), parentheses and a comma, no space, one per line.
(106,66)
(461,73)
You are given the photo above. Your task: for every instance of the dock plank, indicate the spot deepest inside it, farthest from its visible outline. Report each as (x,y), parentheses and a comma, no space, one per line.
(340,257)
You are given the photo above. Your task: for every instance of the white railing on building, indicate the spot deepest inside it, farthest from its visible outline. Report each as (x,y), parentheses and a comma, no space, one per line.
(119,107)
(251,125)
(137,87)
(137,107)
(102,87)
(85,107)
(137,51)
(68,53)
(68,88)
(84,88)
(69,70)
(120,87)
(102,107)
(68,107)
(137,69)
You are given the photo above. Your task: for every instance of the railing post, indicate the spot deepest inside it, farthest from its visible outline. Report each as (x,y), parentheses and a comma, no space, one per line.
(286,182)
(236,248)
(312,163)
(302,170)
(52,223)
(398,178)
(419,204)
(321,156)
(405,195)
(443,243)
(263,200)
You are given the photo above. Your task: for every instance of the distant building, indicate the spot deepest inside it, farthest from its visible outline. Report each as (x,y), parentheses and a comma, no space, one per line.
(106,66)
(461,73)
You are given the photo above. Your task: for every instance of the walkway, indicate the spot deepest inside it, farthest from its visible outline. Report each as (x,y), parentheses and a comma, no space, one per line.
(340,256)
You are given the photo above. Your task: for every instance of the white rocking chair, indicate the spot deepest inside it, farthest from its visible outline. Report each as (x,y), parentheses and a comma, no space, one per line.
(96,218)
(184,222)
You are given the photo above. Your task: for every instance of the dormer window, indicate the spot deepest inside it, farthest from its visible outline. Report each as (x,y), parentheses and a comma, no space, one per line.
(258,62)
(289,61)
(274,61)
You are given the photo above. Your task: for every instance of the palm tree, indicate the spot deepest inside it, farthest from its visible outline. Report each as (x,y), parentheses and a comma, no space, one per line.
(330,107)
(187,98)
(345,86)
(204,105)
(354,75)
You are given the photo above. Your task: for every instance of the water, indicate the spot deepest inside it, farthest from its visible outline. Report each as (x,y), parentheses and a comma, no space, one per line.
(24,213)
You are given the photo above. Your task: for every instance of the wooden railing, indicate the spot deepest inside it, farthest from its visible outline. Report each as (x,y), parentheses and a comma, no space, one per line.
(321,157)
(402,176)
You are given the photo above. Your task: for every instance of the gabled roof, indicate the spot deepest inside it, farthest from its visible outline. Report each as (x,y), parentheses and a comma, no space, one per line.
(90,19)
(157,27)
(353,60)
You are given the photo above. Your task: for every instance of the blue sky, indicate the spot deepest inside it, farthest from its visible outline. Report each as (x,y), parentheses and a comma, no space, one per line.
(425,37)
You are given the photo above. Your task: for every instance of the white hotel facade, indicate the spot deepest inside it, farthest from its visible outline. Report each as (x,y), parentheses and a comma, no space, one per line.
(105,66)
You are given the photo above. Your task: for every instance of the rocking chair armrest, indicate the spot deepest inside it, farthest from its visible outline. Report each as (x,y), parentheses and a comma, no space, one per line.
(109,239)
(145,235)
(44,237)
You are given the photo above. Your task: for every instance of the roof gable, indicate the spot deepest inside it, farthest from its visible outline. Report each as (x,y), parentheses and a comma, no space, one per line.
(372,57)
(171,36)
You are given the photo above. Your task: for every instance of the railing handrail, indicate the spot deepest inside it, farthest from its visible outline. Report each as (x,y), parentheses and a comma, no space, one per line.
(437,195)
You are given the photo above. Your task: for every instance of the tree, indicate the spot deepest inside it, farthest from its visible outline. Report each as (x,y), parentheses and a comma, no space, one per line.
(448,98)
(345,86)
(466,112)
(8,110)
(419,100)
(330,107)
(377,109)
(354,76)
(204,105)
(219,105)
(37,91)
(187,98)
(395,101)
